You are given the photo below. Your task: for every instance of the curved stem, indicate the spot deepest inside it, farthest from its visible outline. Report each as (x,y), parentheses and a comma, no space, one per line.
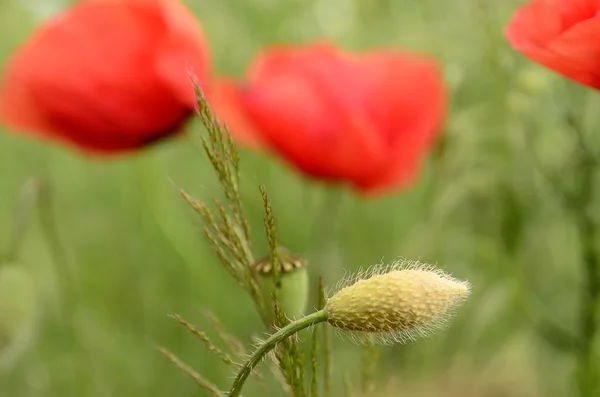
(28,196)
(278,337)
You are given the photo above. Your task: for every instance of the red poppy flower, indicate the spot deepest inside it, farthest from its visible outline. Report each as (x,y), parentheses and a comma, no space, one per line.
(561,35)
(106,75)
(363,119)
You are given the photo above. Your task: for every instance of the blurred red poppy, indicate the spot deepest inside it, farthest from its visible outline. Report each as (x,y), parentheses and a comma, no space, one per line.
(363,119)
(106,76)
(561,35)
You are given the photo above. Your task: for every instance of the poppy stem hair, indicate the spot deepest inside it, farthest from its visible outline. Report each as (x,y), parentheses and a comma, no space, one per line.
(394,303)
(278,337)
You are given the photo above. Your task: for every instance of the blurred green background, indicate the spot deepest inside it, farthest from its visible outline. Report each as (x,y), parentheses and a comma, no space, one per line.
(483,210)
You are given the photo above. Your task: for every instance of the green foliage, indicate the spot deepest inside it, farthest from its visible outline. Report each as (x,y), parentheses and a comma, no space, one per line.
(229,236)
(486,208)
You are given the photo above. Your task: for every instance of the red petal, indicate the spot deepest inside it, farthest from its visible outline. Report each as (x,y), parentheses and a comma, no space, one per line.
(225,100)
(576,53)
(533,26)
(308,105)
(182,53)
(561,35)
(87,76)
(409,110)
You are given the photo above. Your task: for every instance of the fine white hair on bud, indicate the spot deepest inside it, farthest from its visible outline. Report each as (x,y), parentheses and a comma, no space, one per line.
(399,302)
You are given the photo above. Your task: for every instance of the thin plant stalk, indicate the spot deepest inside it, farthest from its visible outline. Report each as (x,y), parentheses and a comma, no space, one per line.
(28,197)
(579,204)
(588,377)
(278,337)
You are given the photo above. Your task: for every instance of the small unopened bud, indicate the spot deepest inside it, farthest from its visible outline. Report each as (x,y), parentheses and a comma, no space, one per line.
(396,303)
(291,287)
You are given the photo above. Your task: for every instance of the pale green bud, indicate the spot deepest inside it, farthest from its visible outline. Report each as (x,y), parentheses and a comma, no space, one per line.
(292,287)
(397,303)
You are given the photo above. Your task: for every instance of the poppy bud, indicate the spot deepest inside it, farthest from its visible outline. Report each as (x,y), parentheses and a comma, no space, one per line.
(291,288)
(388,304)
(396,303)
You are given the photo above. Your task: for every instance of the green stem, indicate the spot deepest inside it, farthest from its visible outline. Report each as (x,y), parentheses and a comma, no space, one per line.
(49,225)
(590,294)
(28,196)
(325,224)
(369,358)
(590,302)
(587,373)
(314,384)
(328,362)
(289,330)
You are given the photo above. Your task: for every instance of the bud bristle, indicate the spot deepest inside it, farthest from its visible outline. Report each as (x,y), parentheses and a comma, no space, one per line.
(396,303)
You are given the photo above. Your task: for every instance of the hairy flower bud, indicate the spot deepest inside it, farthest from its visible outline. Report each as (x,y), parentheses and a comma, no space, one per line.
(396,303)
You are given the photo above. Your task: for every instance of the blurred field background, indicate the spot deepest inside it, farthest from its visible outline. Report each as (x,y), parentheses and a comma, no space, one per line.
(482,210)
